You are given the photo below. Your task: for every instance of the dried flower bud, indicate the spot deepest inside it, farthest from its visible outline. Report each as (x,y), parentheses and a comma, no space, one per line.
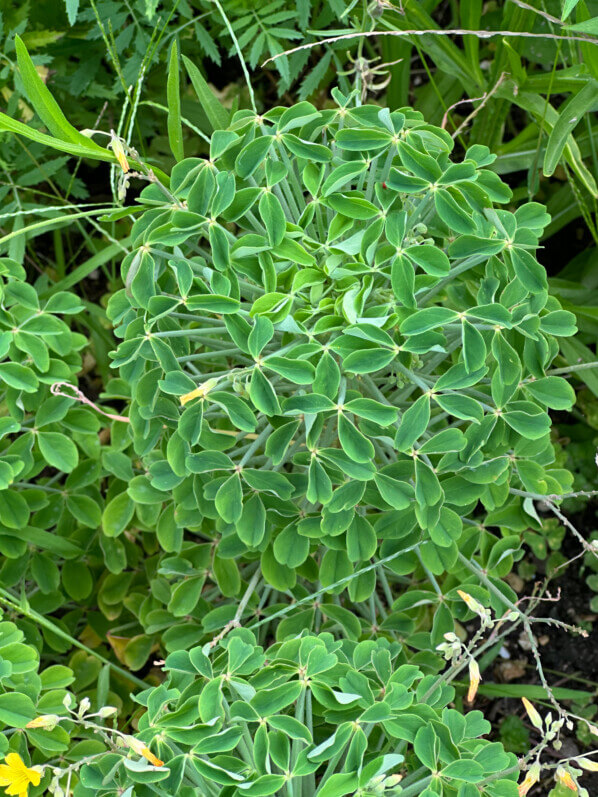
(535,718)
(474,606)
(119,151)
(137,746)
(474,680)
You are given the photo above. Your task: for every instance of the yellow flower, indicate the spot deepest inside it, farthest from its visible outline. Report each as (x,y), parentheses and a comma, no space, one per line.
(474,680)
(533,776)
(470,602)
(16,777)
(46,721)
(565,779)
(199,392)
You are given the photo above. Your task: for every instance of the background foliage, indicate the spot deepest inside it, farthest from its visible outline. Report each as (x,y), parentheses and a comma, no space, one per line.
(141,535)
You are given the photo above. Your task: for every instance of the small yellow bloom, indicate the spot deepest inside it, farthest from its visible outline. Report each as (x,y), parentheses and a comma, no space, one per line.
(199,392)
(535,718)
(533,776)
(565,779)
(588,764)
(15,776)
(474,680)
(470,602)
(141,749)
(46,721)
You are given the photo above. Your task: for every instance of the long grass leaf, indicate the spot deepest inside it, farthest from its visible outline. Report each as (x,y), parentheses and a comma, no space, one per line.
(175,126)
(44,103)
(88,149)
(571,114)
(216,114)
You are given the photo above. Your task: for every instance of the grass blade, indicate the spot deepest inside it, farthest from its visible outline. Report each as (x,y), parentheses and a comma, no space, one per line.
(87,150)
(44,103)
(175,125)
(571,114)
(216,114)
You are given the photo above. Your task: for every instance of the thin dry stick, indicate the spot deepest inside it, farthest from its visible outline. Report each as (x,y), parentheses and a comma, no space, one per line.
(588,547)
(236,621)
(484,99)
(481,34)
(527,7)
(56,390)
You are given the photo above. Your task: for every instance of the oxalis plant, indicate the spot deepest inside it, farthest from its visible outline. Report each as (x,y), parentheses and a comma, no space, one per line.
(333,350)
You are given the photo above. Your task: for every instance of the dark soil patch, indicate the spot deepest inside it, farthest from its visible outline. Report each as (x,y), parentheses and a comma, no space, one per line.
(568,652)
(569,659)
(564,245)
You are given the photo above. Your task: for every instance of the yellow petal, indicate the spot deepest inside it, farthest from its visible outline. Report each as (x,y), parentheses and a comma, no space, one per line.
(49,721)
(15,761)
(34,776)
(6,775)
(18,786)
(118,150)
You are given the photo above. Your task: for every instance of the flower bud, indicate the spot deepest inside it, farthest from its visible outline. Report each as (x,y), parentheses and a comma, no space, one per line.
(107,711)
(84,706)
(587,764)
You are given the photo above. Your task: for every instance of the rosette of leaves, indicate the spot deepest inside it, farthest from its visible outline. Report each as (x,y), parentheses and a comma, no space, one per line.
(311,715)
(339,348)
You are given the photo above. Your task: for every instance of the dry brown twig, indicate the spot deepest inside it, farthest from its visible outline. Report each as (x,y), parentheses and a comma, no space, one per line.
(482,100)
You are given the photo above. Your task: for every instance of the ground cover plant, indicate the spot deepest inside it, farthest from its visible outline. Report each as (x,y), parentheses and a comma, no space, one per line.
(267,476)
